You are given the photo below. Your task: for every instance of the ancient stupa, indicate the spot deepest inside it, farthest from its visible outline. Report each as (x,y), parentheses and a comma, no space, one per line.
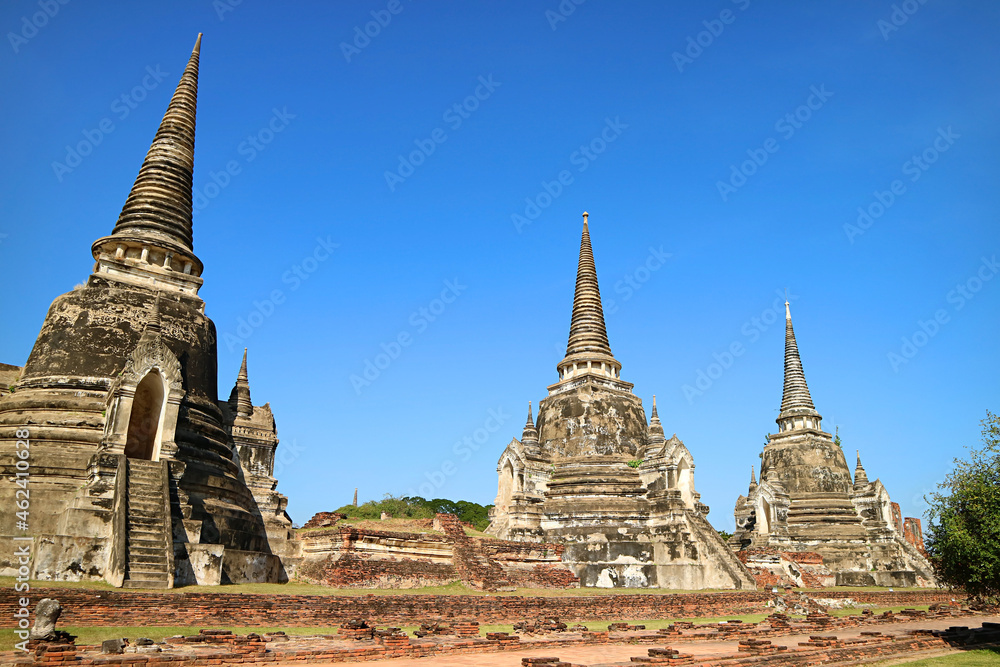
(594,475)
(137,471)
(807,500)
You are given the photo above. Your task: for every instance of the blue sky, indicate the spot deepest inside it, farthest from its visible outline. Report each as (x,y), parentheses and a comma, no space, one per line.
(722,149)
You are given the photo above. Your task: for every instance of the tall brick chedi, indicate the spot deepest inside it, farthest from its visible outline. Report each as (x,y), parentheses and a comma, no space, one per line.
(808,500)
(135,475)
(592,474)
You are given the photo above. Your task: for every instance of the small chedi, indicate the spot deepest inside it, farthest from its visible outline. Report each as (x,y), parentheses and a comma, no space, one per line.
(593,475)
(807,500)
(139,475)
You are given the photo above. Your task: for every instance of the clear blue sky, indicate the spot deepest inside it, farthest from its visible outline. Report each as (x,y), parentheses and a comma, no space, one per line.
(661,132)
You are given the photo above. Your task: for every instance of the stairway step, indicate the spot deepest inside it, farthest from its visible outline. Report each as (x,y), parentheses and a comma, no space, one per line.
(147,570)
(147,551)
(152,484)
(145,477)
(128,583)
(147,559)
(145,522)
(147,575)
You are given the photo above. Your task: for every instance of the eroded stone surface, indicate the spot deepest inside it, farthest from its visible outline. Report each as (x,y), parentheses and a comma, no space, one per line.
(808,501)
(594,476)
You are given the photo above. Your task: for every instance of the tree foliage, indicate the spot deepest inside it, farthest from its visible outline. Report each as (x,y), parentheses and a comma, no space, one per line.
(964,529)
(415,507)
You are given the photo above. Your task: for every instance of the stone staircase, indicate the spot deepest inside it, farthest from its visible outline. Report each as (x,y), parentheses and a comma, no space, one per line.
(718,549)
(148,531)
(474,568)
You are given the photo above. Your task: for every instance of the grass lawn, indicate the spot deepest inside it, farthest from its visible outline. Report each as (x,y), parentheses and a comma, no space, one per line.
(97,634)
(299,588)
(989,657)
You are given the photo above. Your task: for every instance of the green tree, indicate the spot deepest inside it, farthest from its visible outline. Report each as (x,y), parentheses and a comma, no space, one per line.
(415,507)
(964,529)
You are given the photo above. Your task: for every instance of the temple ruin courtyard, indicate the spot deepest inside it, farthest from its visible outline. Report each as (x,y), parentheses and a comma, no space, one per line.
(182,628)
(144,524)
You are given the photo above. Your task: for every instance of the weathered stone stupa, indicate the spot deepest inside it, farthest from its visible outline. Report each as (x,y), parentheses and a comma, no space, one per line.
(806,499)
(137,474)
(593,475)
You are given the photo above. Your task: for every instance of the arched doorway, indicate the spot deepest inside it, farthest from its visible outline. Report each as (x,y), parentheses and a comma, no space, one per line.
(506,486)
(764,517)
(685,481)
(144,421)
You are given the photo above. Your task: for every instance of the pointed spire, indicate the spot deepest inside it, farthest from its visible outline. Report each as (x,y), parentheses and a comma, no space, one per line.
(243,367)
(239,398)
(753,479)
(154,318)
(655,437)
(795,400)
(530,434)
(159,205)
(587,332)
(860,476)
(654,420)
(152,331)
(588,350)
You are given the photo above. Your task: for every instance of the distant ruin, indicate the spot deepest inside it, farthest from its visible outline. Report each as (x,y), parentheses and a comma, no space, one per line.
(807,501)
(441,553)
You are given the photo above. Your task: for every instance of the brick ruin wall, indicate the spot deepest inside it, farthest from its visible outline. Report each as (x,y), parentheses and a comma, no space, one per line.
(82,607)
(773,567)
(347,556)
(913,533)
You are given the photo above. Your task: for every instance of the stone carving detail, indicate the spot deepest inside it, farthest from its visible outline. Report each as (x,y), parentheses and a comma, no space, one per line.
(150,356)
